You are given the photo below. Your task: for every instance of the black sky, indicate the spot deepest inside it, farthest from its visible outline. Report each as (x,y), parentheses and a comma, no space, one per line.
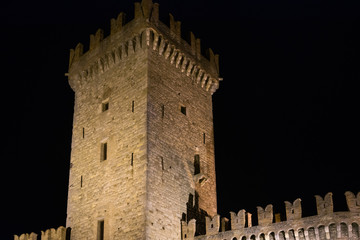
(285,116)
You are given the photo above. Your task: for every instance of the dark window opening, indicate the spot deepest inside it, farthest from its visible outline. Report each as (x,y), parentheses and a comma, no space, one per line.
(204,138)
(132,159)
(68,233)
(105,106)
(196,164)
(83,133)
(183,110)
(100,230)
(162,111)
(133,106)
(104,150)
(81,181)
(162,163)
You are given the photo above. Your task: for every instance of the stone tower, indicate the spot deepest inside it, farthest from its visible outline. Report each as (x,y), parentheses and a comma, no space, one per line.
(142,154)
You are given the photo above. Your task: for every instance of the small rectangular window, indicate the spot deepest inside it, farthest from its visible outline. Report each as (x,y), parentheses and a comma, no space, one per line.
(162,111)
(162,163)
(196,164)
(83,133)
(133,106)
(183,110)
(100,230)
(104,151)
(105,106)
(204,138)
(132,159)
(81,181)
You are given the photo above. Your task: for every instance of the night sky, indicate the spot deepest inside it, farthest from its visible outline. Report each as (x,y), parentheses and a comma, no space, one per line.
(285,115)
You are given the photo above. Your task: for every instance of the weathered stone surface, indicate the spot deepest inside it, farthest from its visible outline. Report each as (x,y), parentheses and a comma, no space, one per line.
(212,225)
(142,160)
(188,229)
(237,220)
(54,234)
(26,236)
(353,202)
(265,217)
(327,225)
(157,119)
(324,205)
(61,233)
(293,210)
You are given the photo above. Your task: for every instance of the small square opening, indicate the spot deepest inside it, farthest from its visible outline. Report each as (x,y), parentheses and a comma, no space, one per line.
(162,111)
(105,106)
(183,110)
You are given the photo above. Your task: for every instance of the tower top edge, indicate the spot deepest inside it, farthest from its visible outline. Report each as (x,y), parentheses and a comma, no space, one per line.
(146,16)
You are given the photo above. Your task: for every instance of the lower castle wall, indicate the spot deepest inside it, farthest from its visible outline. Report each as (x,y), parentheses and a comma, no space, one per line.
(336,226)
(327,225)
(61,233)
(339,225)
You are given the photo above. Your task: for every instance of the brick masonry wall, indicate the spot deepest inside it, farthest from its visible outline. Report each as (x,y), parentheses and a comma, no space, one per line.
(129,91)
(173,140)
(148,181)
(332,226)
(114,189)
(326,225)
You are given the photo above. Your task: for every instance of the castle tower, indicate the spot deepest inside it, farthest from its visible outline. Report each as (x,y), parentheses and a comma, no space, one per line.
(142,154)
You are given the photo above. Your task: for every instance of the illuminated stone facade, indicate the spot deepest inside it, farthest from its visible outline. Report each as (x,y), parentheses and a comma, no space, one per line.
(326,225)
(142,160)
(142,124)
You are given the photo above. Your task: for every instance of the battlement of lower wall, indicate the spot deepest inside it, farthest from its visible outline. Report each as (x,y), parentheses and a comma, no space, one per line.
(326,225)
(61,233)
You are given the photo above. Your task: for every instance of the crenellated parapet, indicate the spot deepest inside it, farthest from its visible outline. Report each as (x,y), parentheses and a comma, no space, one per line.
(61,233)
(144,32)
(26,236)
(324,205)
(265,217)
(293,210)
(353,202)
(188,229)
(212,225)
(237,220)
(54,234)
(326,225)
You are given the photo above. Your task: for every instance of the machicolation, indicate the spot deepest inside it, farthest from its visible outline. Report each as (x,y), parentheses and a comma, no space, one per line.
(122,42)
